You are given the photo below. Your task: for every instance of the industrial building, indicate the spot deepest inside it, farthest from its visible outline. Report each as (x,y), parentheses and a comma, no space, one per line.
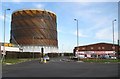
(33,29)
(97,50)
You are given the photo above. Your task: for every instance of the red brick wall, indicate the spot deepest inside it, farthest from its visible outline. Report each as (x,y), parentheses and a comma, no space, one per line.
(98,47)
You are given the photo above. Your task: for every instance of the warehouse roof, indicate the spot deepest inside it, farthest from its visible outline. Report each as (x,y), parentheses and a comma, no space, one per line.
(102,43)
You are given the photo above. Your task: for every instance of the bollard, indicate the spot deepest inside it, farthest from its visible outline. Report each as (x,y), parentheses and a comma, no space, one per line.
(41,60)
(44,60)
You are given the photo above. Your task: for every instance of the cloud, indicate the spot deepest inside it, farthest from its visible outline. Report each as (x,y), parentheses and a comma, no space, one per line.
(59,31)
(39,5)
(100,23)
(17,1)
(92,17)
(97,21)
(84,3)
(106,34)
(8,18)
(1,17)
(62,0)
(87,13)
(80,34)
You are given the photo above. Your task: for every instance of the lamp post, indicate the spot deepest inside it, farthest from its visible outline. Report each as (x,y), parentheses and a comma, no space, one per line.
(113,33)
(4,34)
(77,32)
(77,38)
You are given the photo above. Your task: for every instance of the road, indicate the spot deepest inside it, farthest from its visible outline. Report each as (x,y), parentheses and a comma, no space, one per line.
(58,68)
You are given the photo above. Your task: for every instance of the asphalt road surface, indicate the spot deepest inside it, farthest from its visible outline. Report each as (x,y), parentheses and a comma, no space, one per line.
(60,67)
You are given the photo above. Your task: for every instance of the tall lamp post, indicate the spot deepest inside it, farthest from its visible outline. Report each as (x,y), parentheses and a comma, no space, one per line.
(77,38)
(77,32)
(4,53)
(113,33)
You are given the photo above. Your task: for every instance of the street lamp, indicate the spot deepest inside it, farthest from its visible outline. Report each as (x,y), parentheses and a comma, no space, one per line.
(4,33)
(77,32)
(77,36)
(113,32)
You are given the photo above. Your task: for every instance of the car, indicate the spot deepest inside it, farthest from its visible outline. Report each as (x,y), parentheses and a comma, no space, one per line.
(113,57)
(107,57)
(81,56)
(47,58)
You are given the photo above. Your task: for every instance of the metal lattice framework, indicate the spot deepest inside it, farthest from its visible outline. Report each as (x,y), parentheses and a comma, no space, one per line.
(34,27)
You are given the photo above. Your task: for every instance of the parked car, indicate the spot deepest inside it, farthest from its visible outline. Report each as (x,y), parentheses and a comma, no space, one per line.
(113,57)
(81,56)
(47,58)
(107,57)
(74,58)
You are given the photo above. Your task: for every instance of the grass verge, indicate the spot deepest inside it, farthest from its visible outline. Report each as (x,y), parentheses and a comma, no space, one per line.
(102,60)
(16,60)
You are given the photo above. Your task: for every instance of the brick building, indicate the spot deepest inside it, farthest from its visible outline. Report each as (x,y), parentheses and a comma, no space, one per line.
(97,49)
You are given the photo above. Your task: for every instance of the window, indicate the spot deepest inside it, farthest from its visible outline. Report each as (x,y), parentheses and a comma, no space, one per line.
(113,47)
(83,48)
(91,47)
(99,47)
(103,47)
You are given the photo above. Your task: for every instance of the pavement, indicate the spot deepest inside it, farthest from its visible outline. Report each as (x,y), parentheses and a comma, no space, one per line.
(60,67)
